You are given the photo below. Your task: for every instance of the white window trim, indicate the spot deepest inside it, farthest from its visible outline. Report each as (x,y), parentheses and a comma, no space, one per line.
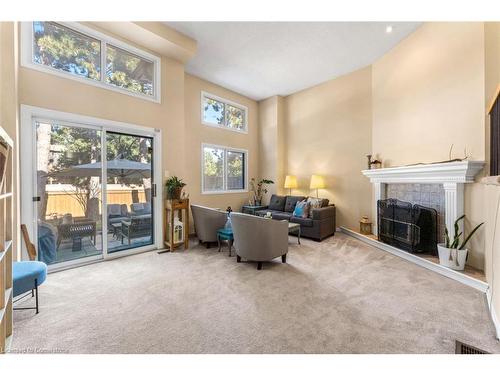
(225,101)
(27,60)
(226,149)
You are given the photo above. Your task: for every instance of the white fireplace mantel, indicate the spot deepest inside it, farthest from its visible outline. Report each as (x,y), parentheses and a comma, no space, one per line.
(451,175)
(455,172)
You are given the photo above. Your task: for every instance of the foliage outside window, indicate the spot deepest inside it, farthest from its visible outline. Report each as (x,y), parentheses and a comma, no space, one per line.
(224,169)
(220,112)
(61,48)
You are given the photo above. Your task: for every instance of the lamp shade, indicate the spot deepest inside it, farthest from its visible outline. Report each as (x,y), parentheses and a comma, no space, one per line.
(290,182)
(317,182)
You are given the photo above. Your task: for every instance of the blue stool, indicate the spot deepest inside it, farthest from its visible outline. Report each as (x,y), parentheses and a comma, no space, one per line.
(27,276)
(225,234)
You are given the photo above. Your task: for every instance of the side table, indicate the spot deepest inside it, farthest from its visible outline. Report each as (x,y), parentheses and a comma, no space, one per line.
(225,234)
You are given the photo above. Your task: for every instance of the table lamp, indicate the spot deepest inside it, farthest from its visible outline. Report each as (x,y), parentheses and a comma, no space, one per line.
(317,182)
(290,183)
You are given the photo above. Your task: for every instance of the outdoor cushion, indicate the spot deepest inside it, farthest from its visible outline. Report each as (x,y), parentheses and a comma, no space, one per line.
(25,273)
(277,203)
(140,208)
(291,201)
(306,222)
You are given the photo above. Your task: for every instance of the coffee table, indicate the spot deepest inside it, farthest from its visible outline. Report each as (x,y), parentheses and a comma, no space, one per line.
(294,228)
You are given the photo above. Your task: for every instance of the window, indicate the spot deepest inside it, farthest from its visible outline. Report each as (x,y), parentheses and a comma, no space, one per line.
(78,52)
(223,169)
(222,113)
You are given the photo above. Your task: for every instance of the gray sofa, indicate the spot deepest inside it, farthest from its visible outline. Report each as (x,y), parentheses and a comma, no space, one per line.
(258,239)
(207,221)
(319,225)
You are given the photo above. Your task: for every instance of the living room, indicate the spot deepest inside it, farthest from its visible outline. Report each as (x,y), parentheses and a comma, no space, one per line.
(343,163)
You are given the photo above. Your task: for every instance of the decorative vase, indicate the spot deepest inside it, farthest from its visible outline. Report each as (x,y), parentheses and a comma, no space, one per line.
(455,260)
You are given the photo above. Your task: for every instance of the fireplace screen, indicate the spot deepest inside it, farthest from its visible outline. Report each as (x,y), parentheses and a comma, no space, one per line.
(407,226)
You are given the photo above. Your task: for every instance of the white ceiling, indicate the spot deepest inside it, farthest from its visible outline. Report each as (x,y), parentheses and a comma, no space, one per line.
(262,59)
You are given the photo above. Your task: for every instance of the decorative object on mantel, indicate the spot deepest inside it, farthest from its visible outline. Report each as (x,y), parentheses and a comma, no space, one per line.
(317,182)
(450,160)
(452,253)
(373,164)
(258,190)
(365,225)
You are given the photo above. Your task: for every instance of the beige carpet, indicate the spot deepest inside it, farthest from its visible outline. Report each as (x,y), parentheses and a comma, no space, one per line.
(338,296)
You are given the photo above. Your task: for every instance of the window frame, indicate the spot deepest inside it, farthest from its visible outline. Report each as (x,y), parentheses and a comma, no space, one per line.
(205,94)
(27,53)
(225,190)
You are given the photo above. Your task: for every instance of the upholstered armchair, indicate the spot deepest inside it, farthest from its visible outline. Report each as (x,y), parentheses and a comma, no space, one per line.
(258,239)
(207,221)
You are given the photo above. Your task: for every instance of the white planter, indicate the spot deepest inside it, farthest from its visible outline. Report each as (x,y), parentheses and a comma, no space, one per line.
(458,257)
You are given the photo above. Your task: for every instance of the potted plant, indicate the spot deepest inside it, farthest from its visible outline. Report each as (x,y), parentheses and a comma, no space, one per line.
(452,253)
(174,187)
(259,189)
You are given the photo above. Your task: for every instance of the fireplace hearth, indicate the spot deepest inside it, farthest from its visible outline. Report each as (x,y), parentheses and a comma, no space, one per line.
(407,226)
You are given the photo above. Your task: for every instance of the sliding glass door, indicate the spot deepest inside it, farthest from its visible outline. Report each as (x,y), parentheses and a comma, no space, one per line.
(129,172)
(77,217)
(68,199)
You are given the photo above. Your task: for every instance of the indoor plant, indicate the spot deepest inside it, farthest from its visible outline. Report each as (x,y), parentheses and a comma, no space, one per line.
(452,253)
(174,187)
(259,189)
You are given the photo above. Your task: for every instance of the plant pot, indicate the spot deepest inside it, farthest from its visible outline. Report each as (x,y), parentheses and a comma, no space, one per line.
(458,257)
(175,194)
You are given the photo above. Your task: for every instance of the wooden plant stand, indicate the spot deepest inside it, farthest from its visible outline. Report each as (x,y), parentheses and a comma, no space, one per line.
(175,208)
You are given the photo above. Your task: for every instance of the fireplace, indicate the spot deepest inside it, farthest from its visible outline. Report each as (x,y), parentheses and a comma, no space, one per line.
(407,226)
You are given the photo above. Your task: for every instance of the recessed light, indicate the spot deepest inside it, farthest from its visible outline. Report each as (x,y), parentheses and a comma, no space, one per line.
(388,29)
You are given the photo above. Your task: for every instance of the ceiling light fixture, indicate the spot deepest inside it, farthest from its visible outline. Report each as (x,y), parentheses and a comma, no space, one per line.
(388,29)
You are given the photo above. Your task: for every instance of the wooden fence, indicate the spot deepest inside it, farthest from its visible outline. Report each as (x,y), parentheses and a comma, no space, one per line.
(60,202)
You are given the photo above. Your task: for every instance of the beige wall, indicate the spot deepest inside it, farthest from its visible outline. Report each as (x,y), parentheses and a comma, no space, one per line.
(197,133)
(428,93)
(272,156)
(328,132)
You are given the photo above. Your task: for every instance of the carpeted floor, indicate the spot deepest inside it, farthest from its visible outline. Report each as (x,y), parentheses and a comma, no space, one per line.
(338,296)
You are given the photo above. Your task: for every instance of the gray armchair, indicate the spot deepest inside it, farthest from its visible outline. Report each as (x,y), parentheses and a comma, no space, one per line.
(207,221)
(259,239)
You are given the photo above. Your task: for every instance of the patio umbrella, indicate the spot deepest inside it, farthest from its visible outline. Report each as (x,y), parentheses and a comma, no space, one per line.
(123,168)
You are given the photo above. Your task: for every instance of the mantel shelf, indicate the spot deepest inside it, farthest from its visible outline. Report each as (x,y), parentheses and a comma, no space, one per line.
(440,173)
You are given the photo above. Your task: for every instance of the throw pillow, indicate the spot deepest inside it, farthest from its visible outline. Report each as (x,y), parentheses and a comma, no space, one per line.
(315,202)
(301,209)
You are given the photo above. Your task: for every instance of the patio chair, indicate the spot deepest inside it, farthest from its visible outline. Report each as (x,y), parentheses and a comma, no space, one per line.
(140,208)
(116,213)
(138,226)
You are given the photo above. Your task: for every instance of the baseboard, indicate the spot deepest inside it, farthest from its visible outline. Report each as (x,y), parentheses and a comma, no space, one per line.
(452,274)
(494,316)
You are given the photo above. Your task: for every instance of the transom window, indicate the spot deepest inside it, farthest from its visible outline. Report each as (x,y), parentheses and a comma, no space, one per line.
(78,52)
(219,112)
(223,169)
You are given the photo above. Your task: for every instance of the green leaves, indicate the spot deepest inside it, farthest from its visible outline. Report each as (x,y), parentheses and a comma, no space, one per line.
(455,244)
